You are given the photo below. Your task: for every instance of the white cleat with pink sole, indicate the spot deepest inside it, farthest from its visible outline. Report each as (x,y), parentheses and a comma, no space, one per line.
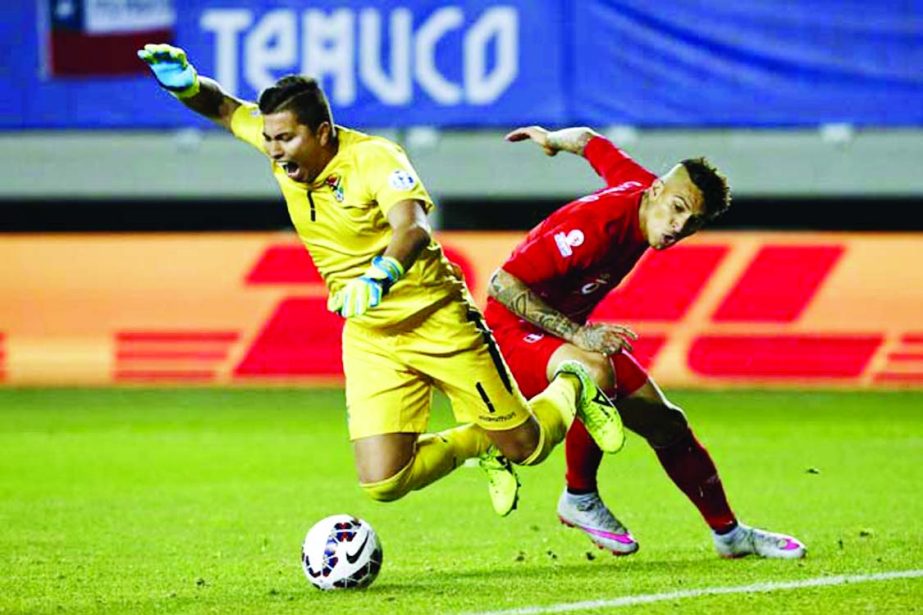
(588,513)
(744,540)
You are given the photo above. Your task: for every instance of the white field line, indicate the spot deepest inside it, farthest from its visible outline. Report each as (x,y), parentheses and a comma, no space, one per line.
(566,607)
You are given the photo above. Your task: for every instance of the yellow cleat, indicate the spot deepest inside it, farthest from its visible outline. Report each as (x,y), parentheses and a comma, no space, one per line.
(502,482)
(595,409)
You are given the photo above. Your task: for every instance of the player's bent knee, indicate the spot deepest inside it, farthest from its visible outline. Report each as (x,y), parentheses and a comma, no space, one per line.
(389,489)
(599,365)
(519,452)
(671,425)
(519,444)
(600,368)
(519,455)
(537,453)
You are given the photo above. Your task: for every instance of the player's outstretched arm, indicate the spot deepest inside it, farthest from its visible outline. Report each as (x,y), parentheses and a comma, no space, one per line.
(571,140)
(519,299)
(175,74)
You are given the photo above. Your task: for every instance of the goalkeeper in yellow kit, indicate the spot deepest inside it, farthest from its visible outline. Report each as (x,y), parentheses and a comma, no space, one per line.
(360,210)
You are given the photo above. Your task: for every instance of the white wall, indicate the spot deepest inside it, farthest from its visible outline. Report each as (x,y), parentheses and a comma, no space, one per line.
(194,164)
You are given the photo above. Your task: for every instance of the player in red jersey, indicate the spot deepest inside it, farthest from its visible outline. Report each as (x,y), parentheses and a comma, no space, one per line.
(538,307)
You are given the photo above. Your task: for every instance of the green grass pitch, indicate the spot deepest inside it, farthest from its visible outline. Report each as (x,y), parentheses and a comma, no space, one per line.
(196,501)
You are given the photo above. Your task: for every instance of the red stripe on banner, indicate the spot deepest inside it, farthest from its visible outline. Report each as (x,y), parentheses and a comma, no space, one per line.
(177,336)
(302,338)
(908,377)
(664,284)
(159,376)
(912,338)
(76,54)
(284,264)
(778,284)
(905,356)
(784,356)
(166,355)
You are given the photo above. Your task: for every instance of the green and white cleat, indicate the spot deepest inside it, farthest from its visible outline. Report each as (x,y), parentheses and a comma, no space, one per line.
(502,482)
(595,409)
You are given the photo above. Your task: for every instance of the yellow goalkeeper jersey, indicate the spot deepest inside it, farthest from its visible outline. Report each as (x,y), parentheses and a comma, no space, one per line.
(341,218)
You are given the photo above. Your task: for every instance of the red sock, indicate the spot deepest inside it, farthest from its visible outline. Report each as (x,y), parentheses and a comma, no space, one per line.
(583,457)
(689,466)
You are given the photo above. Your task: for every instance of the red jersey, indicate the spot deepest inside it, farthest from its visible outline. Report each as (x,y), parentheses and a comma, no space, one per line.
(584,249)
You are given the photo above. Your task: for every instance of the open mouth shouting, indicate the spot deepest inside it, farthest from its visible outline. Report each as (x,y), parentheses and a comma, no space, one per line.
(292,170)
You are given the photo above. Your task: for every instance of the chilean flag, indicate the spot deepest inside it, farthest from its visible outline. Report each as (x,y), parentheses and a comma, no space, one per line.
(99,37)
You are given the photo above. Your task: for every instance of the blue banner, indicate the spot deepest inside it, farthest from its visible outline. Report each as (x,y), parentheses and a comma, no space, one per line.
(393,63)
(754,63)
(474,63)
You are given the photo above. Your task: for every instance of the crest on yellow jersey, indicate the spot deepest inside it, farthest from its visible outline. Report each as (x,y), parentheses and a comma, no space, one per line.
(335,183)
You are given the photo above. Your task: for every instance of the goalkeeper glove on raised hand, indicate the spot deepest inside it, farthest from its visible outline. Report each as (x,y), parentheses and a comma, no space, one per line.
(172,70)
(366,291)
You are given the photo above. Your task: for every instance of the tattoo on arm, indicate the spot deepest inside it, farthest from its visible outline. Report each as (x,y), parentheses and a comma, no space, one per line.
(520,300)
(595,338)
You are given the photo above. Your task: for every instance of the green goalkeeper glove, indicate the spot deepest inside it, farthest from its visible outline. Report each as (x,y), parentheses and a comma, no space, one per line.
(366,291)
(173,71)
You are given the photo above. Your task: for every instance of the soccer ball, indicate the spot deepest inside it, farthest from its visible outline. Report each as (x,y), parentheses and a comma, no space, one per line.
(341,552)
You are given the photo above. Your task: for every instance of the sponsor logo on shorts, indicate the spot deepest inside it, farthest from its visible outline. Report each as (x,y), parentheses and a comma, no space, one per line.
(591,287)
(533,337)
(487,418)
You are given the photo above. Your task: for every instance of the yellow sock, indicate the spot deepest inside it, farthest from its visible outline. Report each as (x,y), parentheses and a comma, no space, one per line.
(436,455)
(554,409)
(440,453)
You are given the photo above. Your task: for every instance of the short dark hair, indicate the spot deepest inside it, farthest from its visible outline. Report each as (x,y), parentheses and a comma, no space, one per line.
(716,193)
(301,95)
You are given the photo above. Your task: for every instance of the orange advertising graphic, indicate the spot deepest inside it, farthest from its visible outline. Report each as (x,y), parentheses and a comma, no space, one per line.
(721,309)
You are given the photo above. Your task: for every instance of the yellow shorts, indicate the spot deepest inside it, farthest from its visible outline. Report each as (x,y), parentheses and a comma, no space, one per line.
(390,375)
